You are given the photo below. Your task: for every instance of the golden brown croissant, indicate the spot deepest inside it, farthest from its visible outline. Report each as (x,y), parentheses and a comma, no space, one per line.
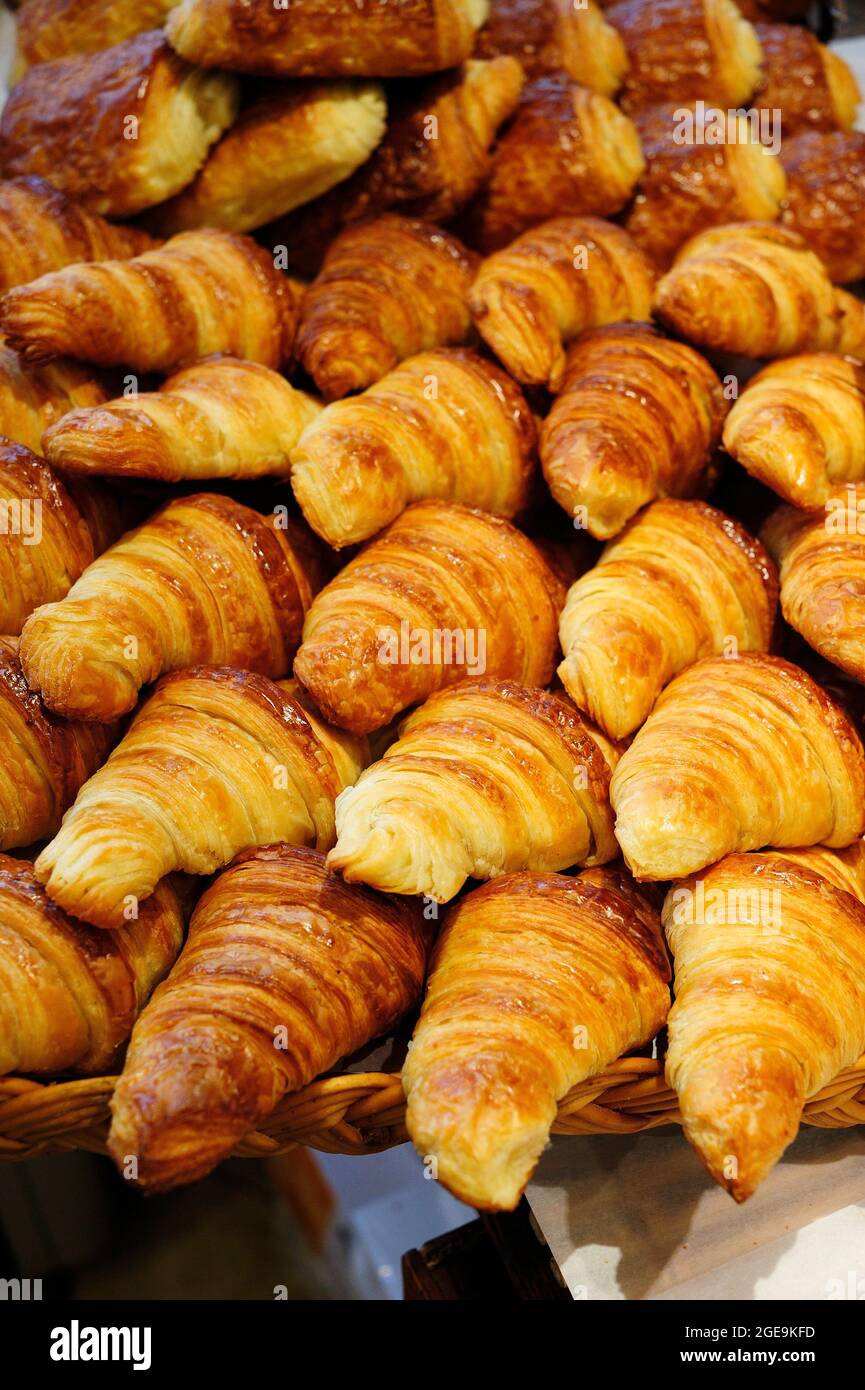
(120,129)
(443,594)
(569,150)
(50,531)
(486,778)
(204,580)
(685,50)
(432,160)
(851,325)
(799,426)
(44,760)
(637,417)
(770,1002)
(691,183)
(220,418)
(821,558)
(32,398)
(388,288)
(556,36)
(50,29)
(682,581)
(288,147)
(812,87)
(202,292)
(248,756)
(69,994)
(825,199)
(551,284)
(443,424)
(738,752)
(751,288)
(537,983)
(286,970)
(42,230)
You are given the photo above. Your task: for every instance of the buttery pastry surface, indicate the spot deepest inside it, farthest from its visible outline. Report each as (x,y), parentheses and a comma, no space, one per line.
(551,284)
(204,580)
(201,292)
(48,29)
(220,418)
(486,778)
(812,87)
(682,581)
(536,983)
(33,398)
(443,424)
(637,416)
(286,970)
(825,199)
(737,753)
(250,755)
(556,36)
(120,129)
(69,994)
(685,50)
(442,582)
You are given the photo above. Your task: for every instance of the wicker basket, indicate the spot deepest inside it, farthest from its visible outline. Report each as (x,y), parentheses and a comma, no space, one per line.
(364,1112)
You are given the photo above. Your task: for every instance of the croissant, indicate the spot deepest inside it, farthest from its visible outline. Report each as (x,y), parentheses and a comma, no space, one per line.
(737,753)
(444,593)
(825,200)
(251,756)
(750,288)
(551,284)
(537,982)
(556,35)
(443,424)
(690,183)
(32,398)
(69,994)
(388,289)
(51,530)
(56,28)
(486,778)
(770,1002)
(684,50)
(851,325)
(799,426)
(288,147)
(220,418)
(95,124)
(202,292)
(286,970)
(821,558)
(434,157)
(326,38)
(569,150)
(45,759)
(812,87)
(681,582)
(42,230)
(204,580)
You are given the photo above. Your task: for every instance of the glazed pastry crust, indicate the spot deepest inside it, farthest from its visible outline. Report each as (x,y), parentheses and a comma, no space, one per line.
(252,757)
(204,580)
(683,50)
(69,995)
(825,200)
(486,778)
(288,147)
(327,38)
(637,417)
(49,29)
(555,36)
(33,398)
(770,1003)
(443,424)
(500,1041)
(388,289)
(737,753)
(812,87)
(120,129)
(683,581)
(551,284)
(438,569)
(799,426)
(286,970)
(220,418)
(568,151)
(201,292)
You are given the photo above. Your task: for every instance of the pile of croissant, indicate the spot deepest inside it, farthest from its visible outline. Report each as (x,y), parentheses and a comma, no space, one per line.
(369,640)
